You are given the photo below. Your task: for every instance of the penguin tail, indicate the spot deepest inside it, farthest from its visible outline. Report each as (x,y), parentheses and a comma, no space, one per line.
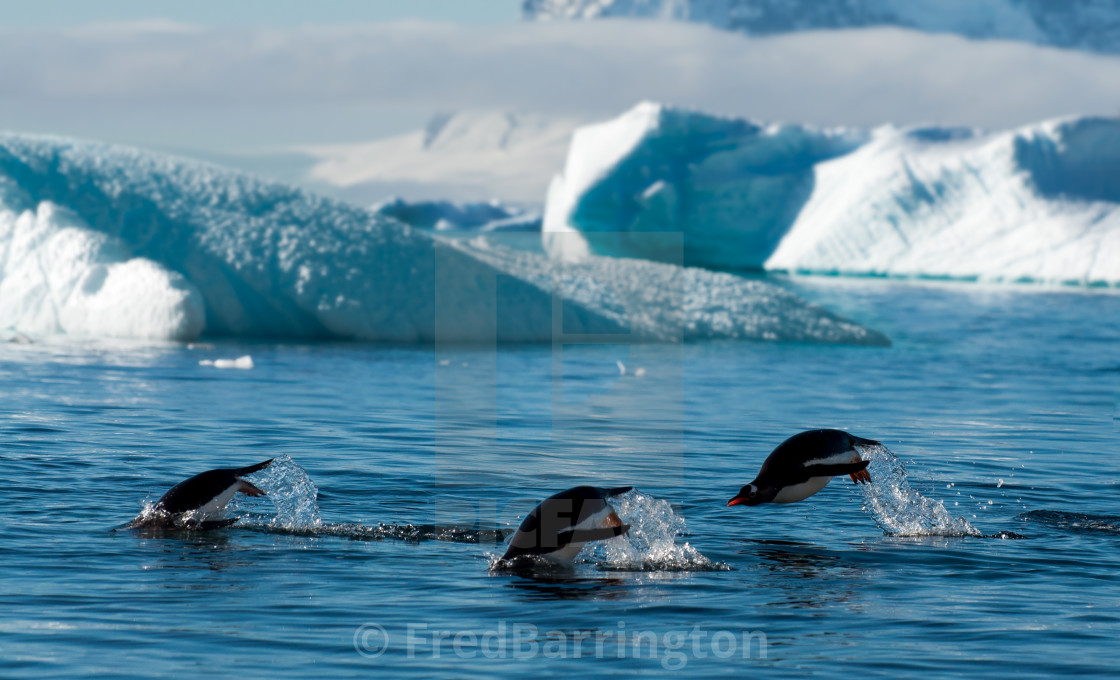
(241,472)
(853,470)
(616,491)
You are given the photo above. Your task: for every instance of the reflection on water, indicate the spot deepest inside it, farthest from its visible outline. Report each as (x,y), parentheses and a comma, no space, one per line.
(807,576)
(216,551)
(570,586)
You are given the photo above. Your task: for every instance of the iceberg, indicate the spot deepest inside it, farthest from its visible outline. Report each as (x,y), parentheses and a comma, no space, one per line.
(1040,203)
(59,276)
(103,240)
(666,303)
(732,186)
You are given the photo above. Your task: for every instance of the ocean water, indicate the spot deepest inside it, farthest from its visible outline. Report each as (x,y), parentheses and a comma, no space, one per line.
(987,546)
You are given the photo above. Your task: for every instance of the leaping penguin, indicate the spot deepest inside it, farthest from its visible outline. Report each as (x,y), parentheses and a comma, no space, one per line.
(803,464)
(196,503)
(558,528)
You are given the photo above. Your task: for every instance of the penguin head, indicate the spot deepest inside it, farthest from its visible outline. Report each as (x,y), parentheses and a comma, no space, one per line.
(748,495)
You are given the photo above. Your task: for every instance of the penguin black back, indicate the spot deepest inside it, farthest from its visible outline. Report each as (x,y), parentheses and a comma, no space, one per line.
(803,465)
(196,492)
(802,456)
(563,522)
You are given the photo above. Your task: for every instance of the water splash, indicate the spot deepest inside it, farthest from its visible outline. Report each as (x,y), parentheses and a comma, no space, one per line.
(898,509)
(409,533)
(290,488)
(651,544)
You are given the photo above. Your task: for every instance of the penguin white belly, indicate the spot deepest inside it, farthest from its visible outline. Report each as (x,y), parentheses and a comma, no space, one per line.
(564,555)
(216,504)
(603,518)
(799,492)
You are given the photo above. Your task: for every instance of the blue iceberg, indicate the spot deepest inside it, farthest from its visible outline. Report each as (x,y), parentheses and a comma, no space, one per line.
(1039,203)
(109,241)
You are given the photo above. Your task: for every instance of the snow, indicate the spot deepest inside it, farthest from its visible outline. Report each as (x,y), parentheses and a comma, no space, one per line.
(104,240)
(1083,24)
(59,276)
(243,363)
(1039,203)
(459,157)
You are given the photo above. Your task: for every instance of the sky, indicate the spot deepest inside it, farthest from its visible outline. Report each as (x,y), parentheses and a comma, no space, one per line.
(55,13)
(241,76)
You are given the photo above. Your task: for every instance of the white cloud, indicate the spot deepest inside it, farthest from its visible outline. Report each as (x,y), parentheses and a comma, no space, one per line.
(171,84)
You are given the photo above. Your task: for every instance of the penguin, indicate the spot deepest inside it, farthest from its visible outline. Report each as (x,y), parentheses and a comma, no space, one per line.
(558,528)
(195,503)
(803,464)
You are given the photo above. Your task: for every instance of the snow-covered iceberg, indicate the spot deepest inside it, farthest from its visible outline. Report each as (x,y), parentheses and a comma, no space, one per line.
(104,240)
(1039,203)
(731,186)
(59,276)
(662,302)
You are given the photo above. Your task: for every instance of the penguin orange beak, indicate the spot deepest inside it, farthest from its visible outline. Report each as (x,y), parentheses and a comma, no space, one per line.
(738,500)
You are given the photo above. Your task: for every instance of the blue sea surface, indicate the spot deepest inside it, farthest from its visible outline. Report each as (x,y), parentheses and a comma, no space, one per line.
(999,402)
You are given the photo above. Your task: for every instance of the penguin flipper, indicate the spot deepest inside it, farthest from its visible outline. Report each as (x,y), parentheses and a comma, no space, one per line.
(860,441)
(853,469)
(589,535)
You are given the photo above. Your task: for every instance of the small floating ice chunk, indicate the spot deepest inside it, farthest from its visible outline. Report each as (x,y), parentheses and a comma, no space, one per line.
(621,367)
(244,363)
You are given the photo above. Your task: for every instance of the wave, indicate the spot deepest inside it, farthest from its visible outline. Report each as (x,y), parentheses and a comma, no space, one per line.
(1040,203)
(109,241)
(1074,521)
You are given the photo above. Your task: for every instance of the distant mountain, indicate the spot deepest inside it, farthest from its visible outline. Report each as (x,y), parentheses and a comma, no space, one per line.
(1090,25)
(462,157)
